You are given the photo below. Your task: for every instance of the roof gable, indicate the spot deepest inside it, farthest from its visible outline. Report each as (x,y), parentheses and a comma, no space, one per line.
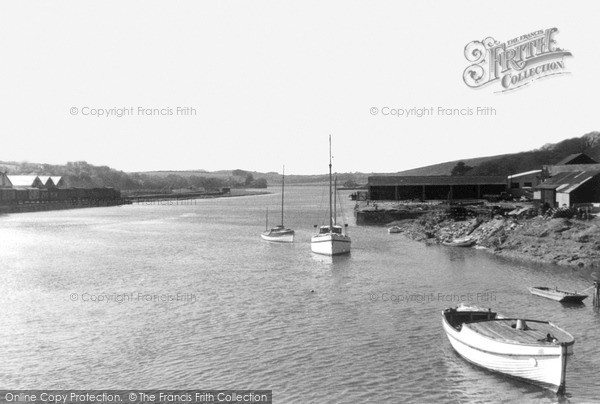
(577,158)
(25,180)
(569,181)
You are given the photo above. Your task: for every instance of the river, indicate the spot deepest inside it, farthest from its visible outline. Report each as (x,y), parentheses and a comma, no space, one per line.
(189,297)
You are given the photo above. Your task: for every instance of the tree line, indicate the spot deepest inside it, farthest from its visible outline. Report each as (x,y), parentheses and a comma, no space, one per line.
(535,159)
(85,175)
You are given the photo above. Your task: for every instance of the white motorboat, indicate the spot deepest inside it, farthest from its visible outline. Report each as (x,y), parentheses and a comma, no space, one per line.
(531,350)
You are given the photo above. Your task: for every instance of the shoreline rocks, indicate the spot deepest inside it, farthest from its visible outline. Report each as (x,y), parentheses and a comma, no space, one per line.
(567,242)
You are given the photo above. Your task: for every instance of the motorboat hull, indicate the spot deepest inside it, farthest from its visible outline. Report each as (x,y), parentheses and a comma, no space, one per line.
(542,364)
(330,244)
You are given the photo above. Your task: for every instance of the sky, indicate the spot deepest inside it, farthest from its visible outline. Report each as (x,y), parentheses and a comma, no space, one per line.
(266,82)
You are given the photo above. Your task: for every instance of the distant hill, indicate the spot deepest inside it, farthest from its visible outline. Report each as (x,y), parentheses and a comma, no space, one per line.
(446,168)
(271,177)
(82,174)
(508,164)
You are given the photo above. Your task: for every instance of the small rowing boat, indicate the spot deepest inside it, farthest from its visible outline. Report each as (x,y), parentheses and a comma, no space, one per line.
(459,242)
(562,296)
(394,229)
(531,350)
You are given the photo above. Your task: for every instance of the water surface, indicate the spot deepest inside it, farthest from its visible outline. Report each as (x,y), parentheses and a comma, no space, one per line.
(212,306)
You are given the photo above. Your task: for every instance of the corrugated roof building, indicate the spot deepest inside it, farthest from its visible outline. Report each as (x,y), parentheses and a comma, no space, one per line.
(569,188)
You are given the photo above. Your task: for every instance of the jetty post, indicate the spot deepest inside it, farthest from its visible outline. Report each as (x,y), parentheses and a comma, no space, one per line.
(597,294)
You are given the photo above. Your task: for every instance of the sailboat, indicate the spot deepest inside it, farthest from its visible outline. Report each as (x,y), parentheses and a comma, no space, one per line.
(279,233)
(331,239)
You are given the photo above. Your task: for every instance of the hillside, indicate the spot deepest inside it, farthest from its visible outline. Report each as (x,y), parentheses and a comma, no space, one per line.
(507,164)
(446,168)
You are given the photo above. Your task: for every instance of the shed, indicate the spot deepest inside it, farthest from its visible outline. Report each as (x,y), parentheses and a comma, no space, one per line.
(569,188)
(522,184)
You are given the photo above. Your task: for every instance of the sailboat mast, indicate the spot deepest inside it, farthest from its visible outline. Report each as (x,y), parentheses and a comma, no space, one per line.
(335,200)
(267,220)
(282,192)
(330,207)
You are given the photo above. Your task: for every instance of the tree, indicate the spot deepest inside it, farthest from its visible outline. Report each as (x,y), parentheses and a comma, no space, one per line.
(260,183)
(460,169)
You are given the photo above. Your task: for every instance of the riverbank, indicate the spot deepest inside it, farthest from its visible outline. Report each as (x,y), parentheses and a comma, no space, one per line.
(41,206)
(146,199)
(567,242)
(138,198)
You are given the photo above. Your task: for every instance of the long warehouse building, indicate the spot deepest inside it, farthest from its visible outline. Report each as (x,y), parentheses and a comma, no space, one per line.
(435,187)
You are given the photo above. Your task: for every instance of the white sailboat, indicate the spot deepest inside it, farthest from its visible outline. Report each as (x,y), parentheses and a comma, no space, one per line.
(331,239)
(279,233)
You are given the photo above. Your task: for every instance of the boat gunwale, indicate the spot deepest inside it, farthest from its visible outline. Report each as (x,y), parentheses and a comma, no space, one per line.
(504,341)
(510,355)
(454,334)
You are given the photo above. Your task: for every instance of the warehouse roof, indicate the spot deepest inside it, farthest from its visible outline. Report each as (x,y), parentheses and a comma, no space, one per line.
(567,182)
(436,180)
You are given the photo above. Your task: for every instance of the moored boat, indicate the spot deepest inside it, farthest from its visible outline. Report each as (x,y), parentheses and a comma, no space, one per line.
(279,233)
(562,296)
(394,229)
(459,242)
(531,350)
(331,239)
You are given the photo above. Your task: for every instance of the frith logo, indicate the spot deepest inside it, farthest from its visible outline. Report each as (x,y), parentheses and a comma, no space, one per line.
(514,63)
